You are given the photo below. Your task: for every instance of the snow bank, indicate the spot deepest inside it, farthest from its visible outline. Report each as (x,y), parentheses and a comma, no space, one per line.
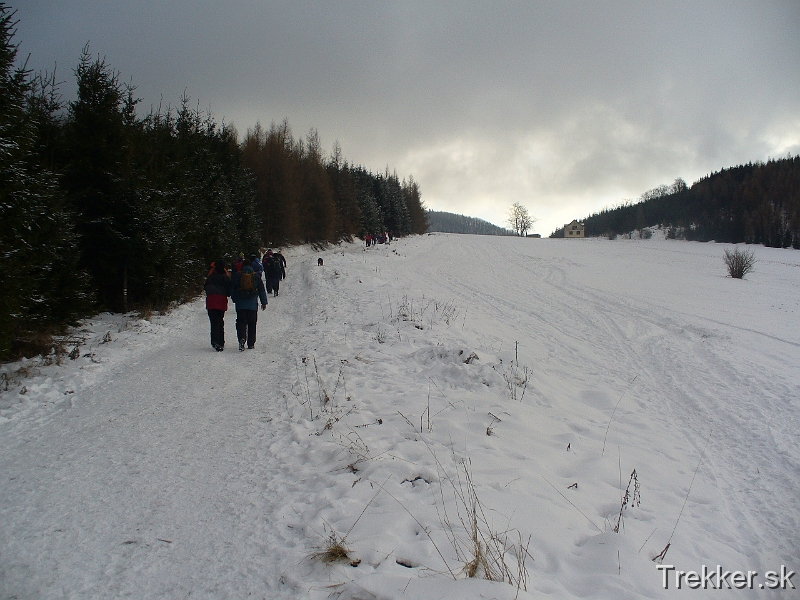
(576,406)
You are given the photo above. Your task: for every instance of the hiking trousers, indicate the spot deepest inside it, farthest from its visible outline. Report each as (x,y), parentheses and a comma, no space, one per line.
(217,318)
(246,326)
(273,285)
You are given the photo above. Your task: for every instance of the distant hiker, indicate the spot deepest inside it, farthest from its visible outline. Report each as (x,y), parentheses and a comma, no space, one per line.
(218,288)
(265,260)
(238,263)
(258,268)
(283,263)
(265,263)
(368,240)
(319,261)
(273,270)
(246,290)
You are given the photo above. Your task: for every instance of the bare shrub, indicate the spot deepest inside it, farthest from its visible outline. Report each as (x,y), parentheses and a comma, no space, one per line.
(33,343)
(739,262)
(146,312)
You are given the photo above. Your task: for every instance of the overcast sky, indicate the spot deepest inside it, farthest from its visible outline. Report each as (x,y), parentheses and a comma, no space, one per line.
(565,107)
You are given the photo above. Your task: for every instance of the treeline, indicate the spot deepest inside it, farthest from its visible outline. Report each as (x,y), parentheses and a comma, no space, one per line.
(103,209)
(302,197)
(757,203)
(446,222)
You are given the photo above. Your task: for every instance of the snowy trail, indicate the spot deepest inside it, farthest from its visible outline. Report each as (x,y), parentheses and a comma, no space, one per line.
(147,456)
(142,486)
(154,467)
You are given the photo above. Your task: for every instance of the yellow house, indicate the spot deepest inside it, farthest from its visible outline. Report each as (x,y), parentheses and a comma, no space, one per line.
(574,230)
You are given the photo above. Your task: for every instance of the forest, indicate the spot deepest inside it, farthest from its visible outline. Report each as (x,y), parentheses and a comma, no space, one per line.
(756,203)
(446,222)
(106,209)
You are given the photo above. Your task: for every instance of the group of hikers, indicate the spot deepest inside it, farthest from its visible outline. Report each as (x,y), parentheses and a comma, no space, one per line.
(245,287)
(378,238)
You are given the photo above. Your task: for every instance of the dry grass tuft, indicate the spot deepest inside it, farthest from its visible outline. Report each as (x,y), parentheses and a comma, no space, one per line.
(485,552)
(333,551)
(146,312)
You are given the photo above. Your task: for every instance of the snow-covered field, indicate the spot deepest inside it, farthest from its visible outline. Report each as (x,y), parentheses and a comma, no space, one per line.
(406,400)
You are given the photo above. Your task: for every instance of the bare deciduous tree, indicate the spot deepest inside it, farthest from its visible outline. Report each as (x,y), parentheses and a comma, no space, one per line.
(519,219)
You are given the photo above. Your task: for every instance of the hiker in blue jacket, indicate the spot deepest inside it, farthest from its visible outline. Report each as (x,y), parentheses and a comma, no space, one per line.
(246,290)
(258,269)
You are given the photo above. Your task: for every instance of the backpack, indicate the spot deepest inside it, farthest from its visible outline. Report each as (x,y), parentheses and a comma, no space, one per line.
(274,266)
(246,287)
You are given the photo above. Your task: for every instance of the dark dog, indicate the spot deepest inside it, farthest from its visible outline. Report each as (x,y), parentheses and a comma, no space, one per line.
(319,262)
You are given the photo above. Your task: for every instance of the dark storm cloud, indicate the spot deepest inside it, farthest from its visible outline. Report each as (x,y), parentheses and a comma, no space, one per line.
(563,106)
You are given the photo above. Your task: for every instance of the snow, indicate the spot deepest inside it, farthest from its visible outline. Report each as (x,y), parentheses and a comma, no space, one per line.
(391,389)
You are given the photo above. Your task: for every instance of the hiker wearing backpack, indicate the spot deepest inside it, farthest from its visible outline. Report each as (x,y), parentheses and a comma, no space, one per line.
(218,288)
(238,263)
(258,269)
(246,290)
(273,272)
(265,263)
(283,263)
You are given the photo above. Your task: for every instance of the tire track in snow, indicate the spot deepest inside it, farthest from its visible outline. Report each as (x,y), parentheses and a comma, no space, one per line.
(611,337)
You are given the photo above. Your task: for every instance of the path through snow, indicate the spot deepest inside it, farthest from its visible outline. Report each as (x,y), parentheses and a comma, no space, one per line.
(155,467)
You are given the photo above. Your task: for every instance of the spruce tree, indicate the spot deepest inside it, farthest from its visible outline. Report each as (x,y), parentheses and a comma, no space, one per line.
(42,288)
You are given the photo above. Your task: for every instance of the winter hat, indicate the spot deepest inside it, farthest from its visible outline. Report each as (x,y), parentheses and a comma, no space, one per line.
(219,266)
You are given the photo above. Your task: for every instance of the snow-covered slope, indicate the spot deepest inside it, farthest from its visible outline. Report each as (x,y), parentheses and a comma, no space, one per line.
(406,400)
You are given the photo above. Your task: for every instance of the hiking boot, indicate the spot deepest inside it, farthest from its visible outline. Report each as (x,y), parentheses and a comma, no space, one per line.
(250,347)
(218,347)
(241,345)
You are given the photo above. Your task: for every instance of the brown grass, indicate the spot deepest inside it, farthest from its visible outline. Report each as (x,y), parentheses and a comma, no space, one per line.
(333,551)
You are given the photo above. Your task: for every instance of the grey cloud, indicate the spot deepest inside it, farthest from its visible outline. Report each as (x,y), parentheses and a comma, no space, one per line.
(568,104)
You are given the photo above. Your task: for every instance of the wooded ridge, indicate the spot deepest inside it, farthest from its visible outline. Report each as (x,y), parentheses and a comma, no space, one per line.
(756,203)
(446,222)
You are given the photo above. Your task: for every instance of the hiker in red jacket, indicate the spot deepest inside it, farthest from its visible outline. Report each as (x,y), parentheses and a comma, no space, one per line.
(218,288)
(238,263)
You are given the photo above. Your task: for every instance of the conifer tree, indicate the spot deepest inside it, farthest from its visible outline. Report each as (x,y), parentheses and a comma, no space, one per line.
(38,249)
(348,215)
(95,176)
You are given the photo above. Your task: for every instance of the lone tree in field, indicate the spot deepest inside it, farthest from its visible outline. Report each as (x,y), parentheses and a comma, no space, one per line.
(519,219)
(739,262)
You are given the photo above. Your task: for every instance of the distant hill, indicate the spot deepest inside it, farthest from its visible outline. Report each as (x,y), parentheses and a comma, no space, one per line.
(756,203)
(446,222)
